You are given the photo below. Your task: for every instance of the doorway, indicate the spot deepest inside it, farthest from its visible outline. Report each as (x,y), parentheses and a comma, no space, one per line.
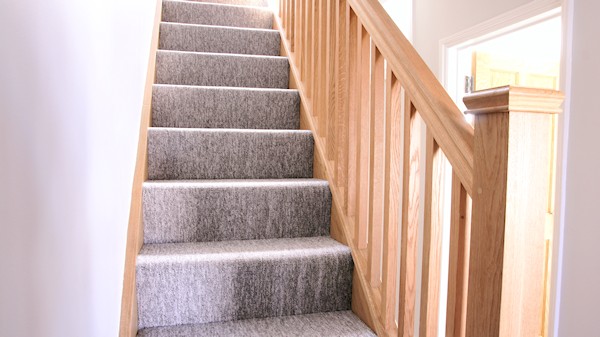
(523,48)
(525,53)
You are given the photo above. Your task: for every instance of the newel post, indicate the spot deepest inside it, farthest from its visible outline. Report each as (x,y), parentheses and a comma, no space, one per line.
(513,164)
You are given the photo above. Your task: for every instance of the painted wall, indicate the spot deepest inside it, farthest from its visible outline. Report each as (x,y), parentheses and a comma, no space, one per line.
(435,20)
(401,12)
(71,85)
(579,290)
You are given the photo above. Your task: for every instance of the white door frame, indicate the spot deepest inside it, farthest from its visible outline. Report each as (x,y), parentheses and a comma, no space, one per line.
(519,18)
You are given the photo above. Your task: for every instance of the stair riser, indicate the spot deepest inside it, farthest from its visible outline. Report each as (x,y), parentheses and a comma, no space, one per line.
(211,39)
(216,212)
(216,15)
(211,291)
(218,154)
(187,68)
(194,107)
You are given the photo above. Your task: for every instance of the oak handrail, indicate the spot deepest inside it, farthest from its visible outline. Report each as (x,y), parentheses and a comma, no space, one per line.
(438,110)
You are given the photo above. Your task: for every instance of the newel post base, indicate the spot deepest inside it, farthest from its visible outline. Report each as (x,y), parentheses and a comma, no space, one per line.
(513,167)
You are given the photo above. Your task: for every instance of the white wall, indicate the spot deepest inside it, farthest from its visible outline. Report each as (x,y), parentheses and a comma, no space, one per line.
(579,290)
(71,86)
(401,12)
(435,20)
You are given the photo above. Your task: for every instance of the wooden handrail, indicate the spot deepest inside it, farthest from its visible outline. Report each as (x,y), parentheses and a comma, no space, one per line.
(440,113)
(366,94)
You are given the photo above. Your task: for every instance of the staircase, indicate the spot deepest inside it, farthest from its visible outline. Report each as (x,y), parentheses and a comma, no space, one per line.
(235,229)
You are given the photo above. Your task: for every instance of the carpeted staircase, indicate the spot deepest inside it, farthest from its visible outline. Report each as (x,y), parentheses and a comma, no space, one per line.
(235,229)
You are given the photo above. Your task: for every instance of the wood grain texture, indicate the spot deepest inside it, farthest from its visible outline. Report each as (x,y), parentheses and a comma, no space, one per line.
(526,212)
(376,166)
(341,99)
(354,84)
(292,24)
(362,157)
(392,198)
(322,106)
(330,75)
(437,109)
(458,265)
(307,69)
(505,291)
(410,219)
(299,21)
(515,99)
(363,305)
(129,315)
(432,238)
(487,230)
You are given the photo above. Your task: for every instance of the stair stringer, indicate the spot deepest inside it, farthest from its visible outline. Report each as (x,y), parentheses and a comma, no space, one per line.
(128,325)
(363,305)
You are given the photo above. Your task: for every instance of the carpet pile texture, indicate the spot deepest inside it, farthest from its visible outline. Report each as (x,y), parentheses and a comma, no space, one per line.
(236,230)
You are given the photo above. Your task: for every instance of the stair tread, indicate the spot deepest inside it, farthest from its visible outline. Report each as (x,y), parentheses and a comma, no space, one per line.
(219,87)
(326,324)
(200,183)
(239,250)
(272,57)
(232,28)
(228,130)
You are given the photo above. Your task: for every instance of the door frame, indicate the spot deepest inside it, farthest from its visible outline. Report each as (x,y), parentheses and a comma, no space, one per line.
(514,20)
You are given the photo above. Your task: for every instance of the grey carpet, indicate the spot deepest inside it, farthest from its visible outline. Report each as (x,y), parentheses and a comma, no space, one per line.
(235,229)
(217,14)
(231,70)
(215,39)
(225,107)
(327,324)
(229,154)
(257,3)
(191,283)
(216,210)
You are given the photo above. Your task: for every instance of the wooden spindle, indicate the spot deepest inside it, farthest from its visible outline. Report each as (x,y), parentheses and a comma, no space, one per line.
(354,85)
(341,94)
(330,97)
(377,166)
(392,197)
(310,58)
(362,158)
(292,24)
(299,35)
(410,219)
(320,94)
(458,265)
(432,239)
